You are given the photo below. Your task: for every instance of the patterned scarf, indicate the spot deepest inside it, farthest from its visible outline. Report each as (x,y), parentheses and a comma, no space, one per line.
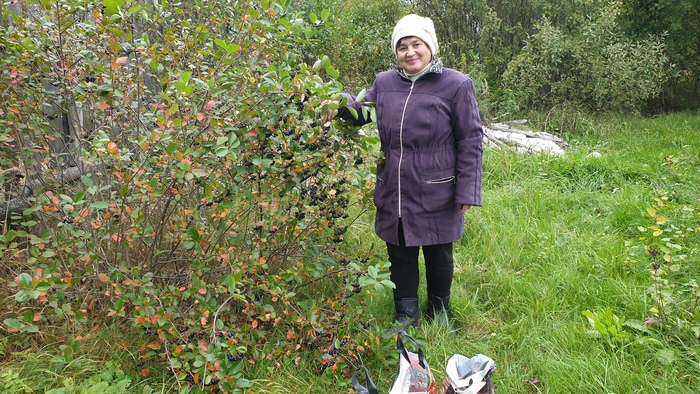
(435,67)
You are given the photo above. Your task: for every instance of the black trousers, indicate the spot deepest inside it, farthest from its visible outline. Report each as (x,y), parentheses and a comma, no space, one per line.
(439,268)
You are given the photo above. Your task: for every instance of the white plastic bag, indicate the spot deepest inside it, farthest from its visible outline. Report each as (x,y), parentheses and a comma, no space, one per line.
(414,374)
(469,375)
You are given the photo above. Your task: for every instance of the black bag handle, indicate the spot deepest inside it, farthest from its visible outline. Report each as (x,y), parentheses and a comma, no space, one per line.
(370,389)
(402,349)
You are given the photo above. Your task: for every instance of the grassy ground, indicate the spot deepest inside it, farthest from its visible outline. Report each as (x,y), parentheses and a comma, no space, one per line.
(556,236)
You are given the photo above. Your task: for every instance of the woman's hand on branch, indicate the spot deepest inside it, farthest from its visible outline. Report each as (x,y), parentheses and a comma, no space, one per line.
(329,114)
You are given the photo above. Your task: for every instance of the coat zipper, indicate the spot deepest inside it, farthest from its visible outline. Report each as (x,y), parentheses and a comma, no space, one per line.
(401,142)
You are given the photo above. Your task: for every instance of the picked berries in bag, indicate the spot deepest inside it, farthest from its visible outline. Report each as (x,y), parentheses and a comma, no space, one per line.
(414,374)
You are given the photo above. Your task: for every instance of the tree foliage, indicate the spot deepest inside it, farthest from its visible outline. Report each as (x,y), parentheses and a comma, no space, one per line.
(482,38)
(679,22)
(212,206)
(357,37)
(595,68)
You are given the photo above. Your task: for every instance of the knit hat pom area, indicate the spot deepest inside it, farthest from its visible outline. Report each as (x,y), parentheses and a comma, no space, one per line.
(415,26)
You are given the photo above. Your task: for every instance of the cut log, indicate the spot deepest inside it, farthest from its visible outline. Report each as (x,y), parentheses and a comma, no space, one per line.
(522,139)
(31,188)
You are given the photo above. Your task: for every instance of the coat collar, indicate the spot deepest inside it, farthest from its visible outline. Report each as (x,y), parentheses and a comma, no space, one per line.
(435,67)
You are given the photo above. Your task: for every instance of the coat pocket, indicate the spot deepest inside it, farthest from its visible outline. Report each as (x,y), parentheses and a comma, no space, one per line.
(380,188)
(438,189)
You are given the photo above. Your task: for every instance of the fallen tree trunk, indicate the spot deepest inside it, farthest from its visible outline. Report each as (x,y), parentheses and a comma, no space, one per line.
(31,188)
(522,139)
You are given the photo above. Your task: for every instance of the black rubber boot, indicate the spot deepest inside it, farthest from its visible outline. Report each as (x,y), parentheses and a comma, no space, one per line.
(438,310)
(407,312)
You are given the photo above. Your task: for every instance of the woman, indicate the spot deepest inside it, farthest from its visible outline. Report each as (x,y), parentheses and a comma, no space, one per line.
(431,137)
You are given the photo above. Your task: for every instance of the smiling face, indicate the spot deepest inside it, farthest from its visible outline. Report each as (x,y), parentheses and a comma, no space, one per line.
(413,54)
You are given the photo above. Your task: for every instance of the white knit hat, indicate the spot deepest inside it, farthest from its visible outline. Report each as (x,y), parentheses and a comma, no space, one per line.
(415,26)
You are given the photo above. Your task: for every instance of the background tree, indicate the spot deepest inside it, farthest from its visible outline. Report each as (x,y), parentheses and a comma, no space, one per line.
(595,68)
(679,22)
(356,37)
(482,37)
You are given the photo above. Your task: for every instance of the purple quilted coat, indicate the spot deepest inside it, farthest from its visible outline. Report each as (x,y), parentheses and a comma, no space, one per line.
(431,137)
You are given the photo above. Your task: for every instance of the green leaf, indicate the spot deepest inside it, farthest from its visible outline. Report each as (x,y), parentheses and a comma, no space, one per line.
(264,163)
(26,295)
(361,95)
(30,328)
(388,283)
(667,356)
(230,282)
(171,148)
(135,9)
(10,236)
(25,280)
(372,271)
(183,87)
(243,383)
(332,71)
(325,14)
(200,172)
(99,205)
(229,48)
(221,151)
(193,233)
(78,197)
(13,323)
(111,7)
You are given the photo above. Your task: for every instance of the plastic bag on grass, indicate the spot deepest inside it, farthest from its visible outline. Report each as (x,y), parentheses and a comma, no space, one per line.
(469,375)
(414,376)
(414,373)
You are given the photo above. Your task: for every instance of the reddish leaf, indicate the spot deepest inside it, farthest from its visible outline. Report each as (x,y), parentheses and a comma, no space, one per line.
(154,345)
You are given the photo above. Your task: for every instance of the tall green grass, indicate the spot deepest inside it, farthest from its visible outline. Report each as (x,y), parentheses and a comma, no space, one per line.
(556,236)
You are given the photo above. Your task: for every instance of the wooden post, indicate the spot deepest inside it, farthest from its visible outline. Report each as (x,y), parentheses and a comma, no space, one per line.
(59,128)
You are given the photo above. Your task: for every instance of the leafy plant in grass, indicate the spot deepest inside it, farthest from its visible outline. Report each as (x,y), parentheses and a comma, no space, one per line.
(674,293)
(212,205)
(608,325)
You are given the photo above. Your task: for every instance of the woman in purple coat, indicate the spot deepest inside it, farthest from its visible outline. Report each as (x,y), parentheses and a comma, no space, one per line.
(431,137)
